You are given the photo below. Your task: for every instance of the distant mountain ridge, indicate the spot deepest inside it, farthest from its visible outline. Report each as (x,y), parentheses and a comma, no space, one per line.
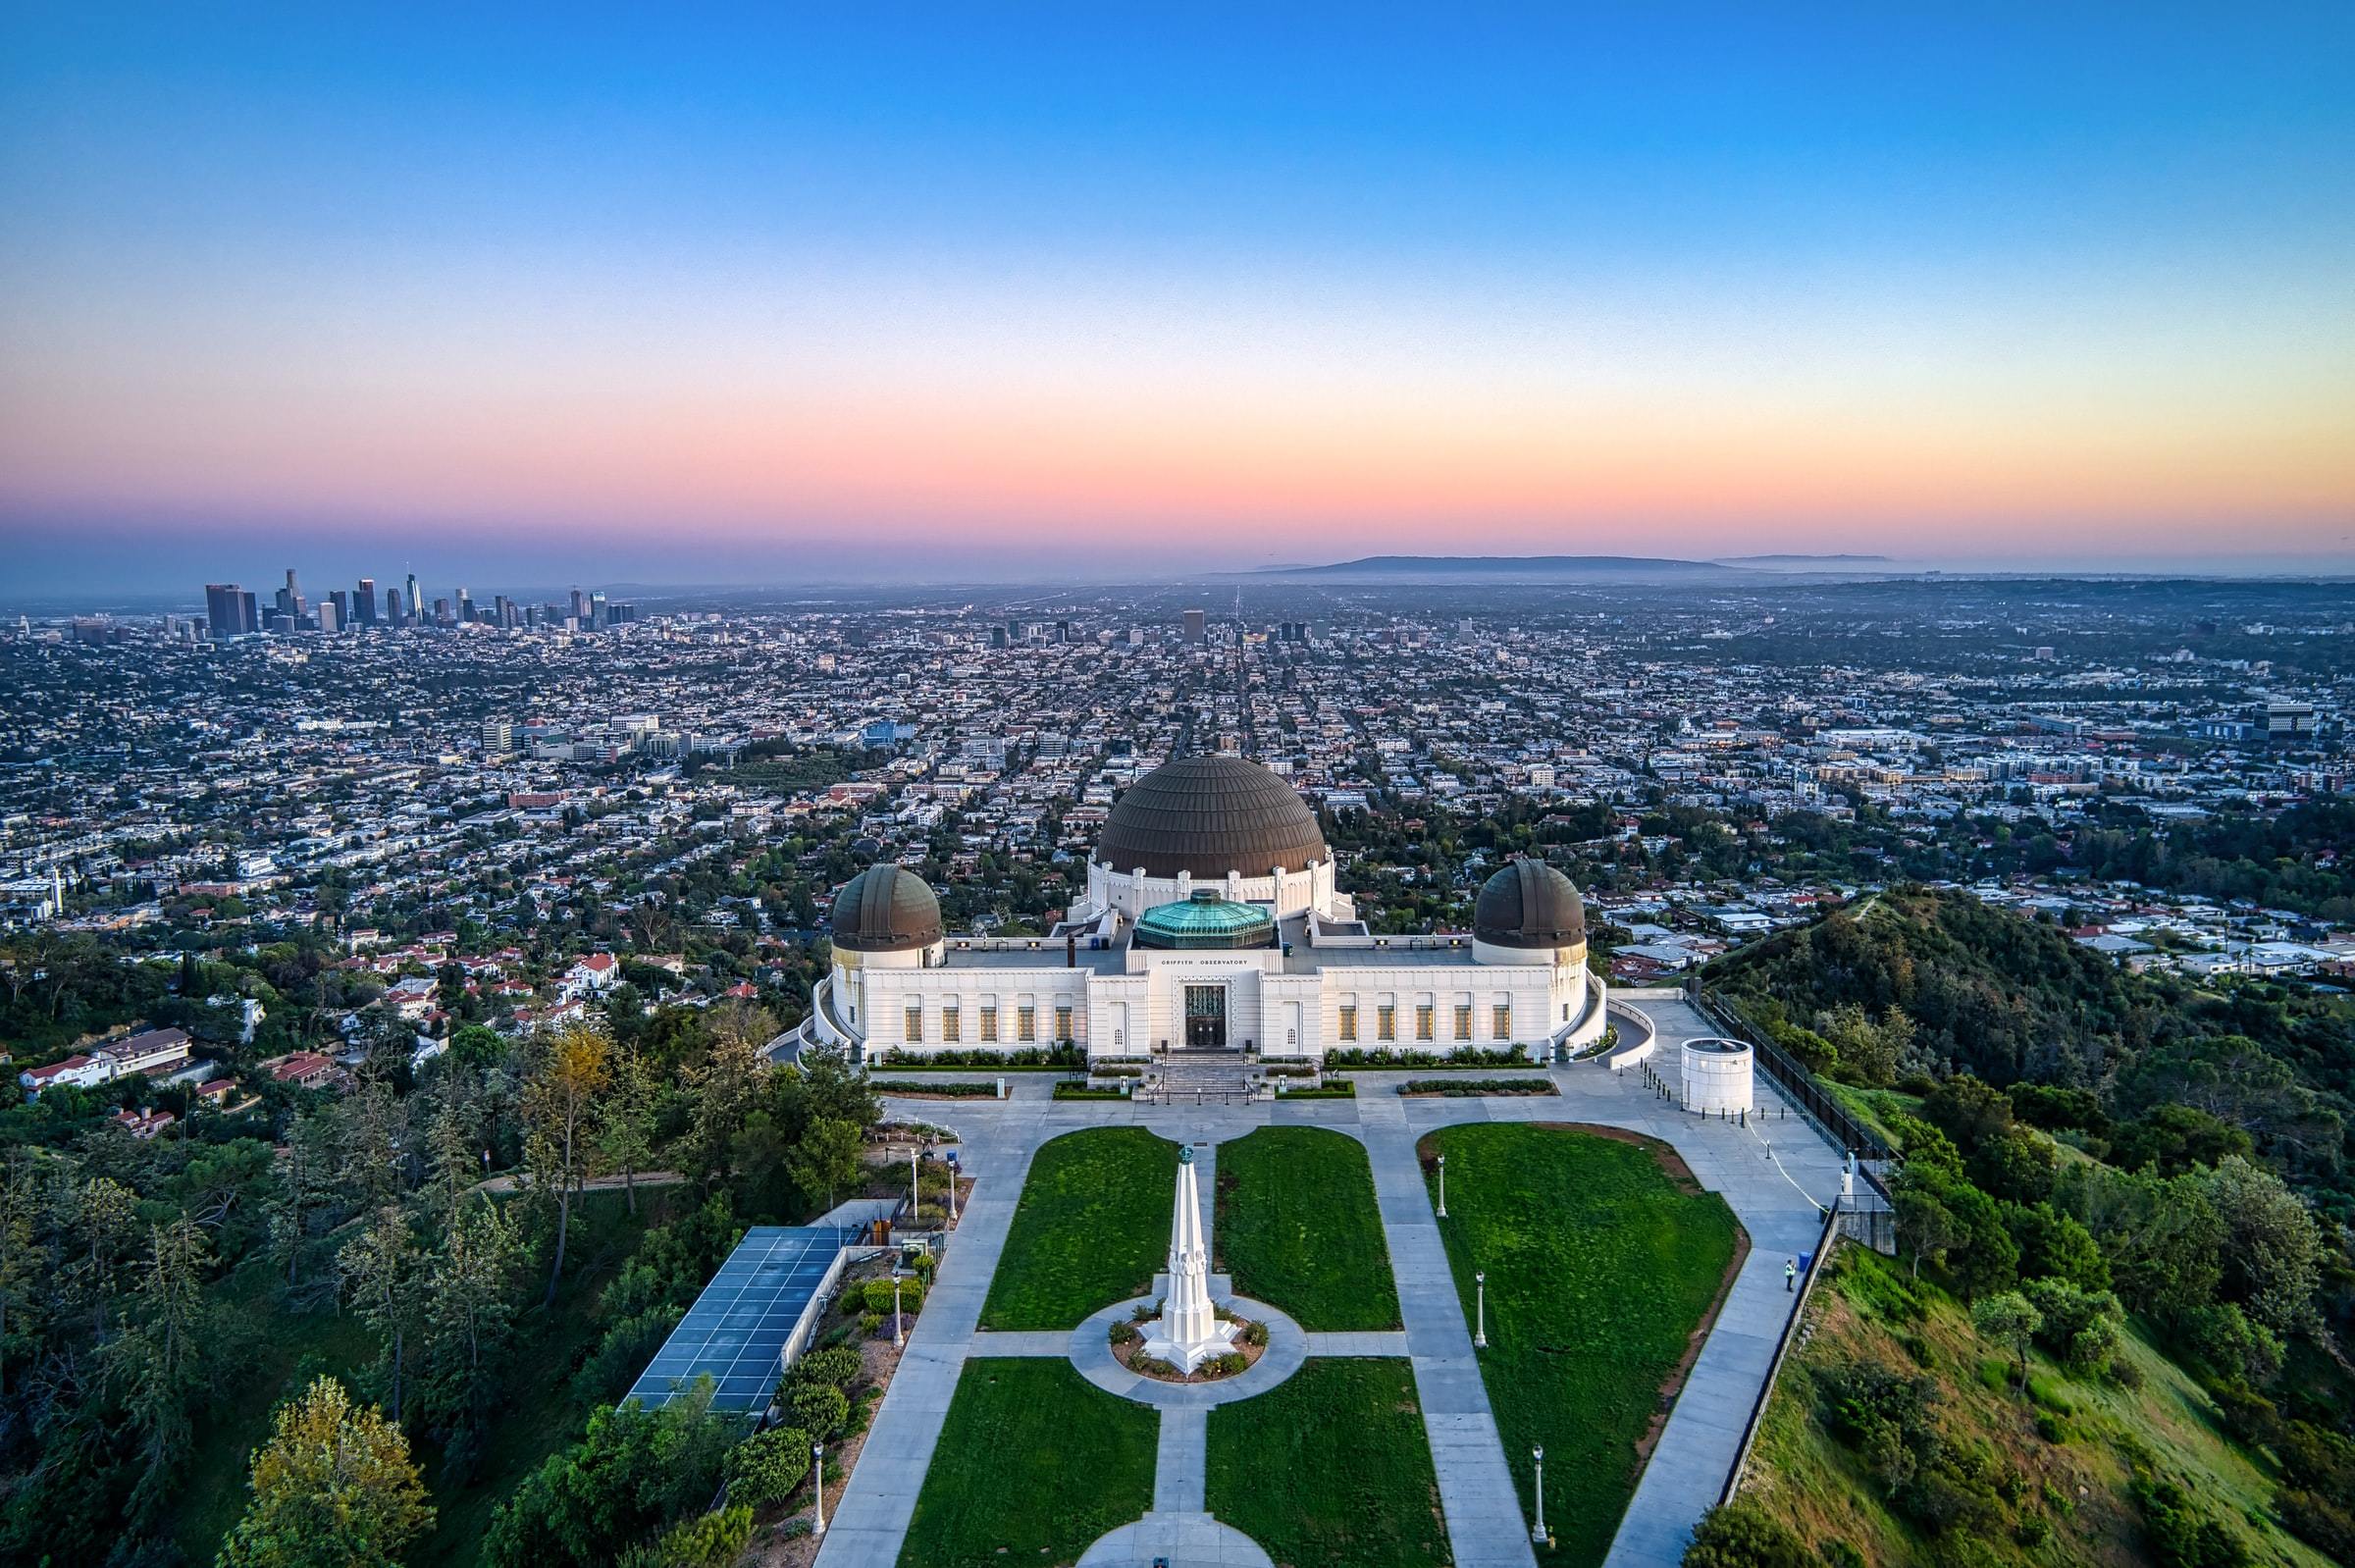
(1506,566)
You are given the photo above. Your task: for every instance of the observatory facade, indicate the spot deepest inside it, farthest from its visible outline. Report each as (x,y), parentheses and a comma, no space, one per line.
(1211,923)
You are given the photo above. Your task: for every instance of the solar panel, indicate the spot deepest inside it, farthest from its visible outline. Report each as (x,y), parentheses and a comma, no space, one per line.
(738,1328)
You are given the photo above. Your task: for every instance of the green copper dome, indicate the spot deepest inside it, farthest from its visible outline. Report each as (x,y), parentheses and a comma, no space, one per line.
(1205,920)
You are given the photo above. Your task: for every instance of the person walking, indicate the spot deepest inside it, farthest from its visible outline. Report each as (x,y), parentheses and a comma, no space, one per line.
(1790,1277)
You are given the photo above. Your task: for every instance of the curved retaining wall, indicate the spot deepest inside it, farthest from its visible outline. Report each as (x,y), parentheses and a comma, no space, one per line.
(1637,1036)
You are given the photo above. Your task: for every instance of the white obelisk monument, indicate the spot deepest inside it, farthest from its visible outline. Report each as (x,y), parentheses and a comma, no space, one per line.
(1187,1332)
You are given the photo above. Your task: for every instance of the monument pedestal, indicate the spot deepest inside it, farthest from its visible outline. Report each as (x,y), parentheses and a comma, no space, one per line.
(1189,1331)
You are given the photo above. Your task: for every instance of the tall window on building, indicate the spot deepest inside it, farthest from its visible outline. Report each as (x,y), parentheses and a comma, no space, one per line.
(916,1022)
(1463,1020)
(1386,1021)
(1063,1023)
(952,1028)
(1500,1022)
(989,1025)
(1349,1024)
(1425,1024)
(1026,1023)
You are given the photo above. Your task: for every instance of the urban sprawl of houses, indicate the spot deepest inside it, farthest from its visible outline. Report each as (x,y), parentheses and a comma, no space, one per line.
(501,817)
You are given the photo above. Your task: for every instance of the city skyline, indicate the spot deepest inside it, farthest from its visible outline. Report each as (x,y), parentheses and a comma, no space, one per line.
(768,301)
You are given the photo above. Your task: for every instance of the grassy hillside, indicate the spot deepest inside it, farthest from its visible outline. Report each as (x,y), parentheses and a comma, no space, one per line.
(2045,1477)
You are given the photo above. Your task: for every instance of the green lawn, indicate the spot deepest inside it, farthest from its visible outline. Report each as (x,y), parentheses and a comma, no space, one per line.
(1331,1467)
(1092,1228)
(1034,1463)
(1298,1228)
(539,1417)
(1599,1268)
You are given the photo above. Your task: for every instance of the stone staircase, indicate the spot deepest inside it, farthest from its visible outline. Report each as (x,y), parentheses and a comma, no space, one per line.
(1189,1078)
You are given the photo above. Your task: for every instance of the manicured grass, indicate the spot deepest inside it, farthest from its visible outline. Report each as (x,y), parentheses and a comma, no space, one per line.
(1600,1265)
(1034,1463)
(1092,1227)
(1331,1467)
(1299,1229)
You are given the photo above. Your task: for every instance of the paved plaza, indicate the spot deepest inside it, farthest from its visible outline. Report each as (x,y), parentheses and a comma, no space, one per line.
(1771,1173)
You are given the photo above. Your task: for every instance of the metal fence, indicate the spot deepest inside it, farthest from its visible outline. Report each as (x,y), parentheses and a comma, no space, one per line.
(1801,1087)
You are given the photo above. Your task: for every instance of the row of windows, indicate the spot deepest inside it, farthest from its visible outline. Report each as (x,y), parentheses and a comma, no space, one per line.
(952,1024)
(1386,1021)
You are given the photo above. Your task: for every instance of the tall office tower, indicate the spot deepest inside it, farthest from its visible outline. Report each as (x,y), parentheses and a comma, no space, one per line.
(498,736)
(363,602)
(331,612)
(1197,626)
(465,606)
(249,612)
(415,603)
(289,598)
(396,608)
(340,601)
(580,606)
(441,613)
(502,610)
(221,611)
(997,637)
(597,610)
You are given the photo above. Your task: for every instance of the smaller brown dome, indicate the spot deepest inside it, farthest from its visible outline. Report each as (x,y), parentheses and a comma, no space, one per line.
(1528,904)
(885,909)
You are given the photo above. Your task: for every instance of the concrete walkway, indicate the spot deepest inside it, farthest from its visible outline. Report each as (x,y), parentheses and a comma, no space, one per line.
(1484,1518)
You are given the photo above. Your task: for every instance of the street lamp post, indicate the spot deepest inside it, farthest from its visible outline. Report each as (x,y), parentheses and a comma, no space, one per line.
(951,1157)
(1537,1532)
(1443,1186)
(897,1338)
(1480,1322)
(915,1196)
(818,1455)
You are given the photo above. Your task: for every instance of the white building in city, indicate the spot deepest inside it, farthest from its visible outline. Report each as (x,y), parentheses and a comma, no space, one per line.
(1211,923)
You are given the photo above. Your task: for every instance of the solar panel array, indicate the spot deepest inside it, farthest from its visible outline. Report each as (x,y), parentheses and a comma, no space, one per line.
(738,1327)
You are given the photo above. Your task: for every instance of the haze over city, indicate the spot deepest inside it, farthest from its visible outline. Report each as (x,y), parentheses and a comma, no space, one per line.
(766,297)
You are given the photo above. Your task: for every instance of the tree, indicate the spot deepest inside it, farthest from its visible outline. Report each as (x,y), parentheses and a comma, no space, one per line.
(827,1160)
(633,1472)
(306,1186)
(380,1279)
(334,1487)
(557,1102)
(155,1361)
(724,1088)
(2010,1320)
(1927,1224)
(102,1217)
(625,1122)
(468,1307)
(23,1260)
(2272,1254)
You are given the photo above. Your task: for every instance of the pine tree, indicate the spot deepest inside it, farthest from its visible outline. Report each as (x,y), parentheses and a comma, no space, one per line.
(557,1104)
(155,1363)
(380,1282)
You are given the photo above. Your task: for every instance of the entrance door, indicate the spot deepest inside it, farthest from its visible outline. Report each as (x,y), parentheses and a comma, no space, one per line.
(1206,1017)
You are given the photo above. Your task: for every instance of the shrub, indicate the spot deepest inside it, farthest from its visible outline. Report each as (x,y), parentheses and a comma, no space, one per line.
(1154,1366)
(766,1466)
(1225,1366)
(1742,1535)
(2050,1428)
(838,1365)
(870,1324)
(714,1540)
(818,1408)
(2079,1326)
(1255,1334)
(1458,1088)
(878,1295)
(2180,1534)
(1125,1334)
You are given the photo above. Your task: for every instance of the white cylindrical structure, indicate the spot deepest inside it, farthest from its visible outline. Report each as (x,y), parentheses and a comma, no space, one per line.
(1717,1075)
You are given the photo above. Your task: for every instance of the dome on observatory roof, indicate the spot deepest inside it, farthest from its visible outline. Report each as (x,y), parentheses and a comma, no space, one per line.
(1528,904)
(1205,920)
(1211,816)
(885,909)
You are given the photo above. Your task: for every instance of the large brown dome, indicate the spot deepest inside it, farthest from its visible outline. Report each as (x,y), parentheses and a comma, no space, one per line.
(1211,816)
(1528,904)
(885,909)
